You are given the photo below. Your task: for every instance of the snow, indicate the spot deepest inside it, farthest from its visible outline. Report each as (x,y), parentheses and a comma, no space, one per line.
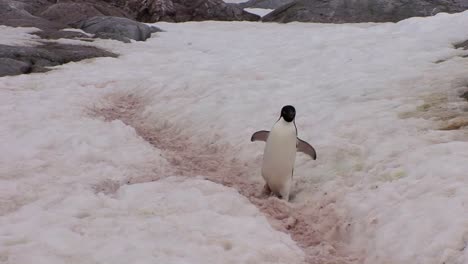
(258,11)
(77,30)
(169,221)
(17,36)
(375,100)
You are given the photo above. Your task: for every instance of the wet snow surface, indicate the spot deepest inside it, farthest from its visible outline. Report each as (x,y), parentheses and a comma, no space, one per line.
(147,158)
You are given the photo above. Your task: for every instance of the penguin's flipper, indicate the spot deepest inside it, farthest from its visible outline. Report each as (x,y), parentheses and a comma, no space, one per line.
(261,135)
(306,148)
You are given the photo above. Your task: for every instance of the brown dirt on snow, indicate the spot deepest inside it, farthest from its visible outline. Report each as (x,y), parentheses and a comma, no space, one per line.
(317,227)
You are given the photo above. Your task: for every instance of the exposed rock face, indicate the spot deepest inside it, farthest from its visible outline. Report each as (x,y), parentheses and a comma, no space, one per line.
(50,17)
(20,14)
(115,22)
(13,67)
(267,4)
(354,11)
(462,45)
(17,59)
(70,13)
(464,95)
(118,28)
(187,10)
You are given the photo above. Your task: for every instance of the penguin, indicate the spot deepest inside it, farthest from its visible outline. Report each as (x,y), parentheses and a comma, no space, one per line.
(279,154)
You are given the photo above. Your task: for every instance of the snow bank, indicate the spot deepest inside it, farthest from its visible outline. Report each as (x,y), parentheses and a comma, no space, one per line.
(17,36)
(377,101)
(169,221)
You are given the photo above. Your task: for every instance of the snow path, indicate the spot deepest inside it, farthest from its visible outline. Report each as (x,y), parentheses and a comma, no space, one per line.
(312,227)
(379,102)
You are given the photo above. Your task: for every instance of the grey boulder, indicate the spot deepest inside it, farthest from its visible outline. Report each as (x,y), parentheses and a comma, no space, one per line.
(462,45)
(187,10)
(69,13)
(356,11)
(118,28)
(464,95)
(13,67)
(37,58)
(20,14)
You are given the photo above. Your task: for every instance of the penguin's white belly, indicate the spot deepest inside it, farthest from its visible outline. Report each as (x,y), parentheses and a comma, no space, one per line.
(279,156)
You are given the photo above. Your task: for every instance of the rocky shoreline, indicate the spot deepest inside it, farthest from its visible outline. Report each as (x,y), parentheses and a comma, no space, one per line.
(104,19)
(124,20)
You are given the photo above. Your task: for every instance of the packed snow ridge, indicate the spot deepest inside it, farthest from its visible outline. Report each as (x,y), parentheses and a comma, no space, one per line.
(147,157)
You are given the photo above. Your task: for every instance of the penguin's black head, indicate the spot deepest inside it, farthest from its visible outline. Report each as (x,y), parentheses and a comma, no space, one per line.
(288,113)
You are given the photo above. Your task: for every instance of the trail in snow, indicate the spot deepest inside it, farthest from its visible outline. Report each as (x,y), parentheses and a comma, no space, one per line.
(317,228)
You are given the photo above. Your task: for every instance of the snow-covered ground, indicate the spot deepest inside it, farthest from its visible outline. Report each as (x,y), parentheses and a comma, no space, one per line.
(259,11)
(95,154)
(17,36)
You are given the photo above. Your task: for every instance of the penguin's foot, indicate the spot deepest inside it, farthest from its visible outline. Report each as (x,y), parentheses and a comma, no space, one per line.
(266,190)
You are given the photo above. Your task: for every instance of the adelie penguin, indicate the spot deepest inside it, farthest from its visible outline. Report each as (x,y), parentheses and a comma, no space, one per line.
(279,155)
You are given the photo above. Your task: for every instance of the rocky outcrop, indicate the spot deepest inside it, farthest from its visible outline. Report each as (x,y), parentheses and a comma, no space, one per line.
(20,14)
(70,13)
(16,59)
(51,17)
(461,45)
(118,28)
(13,67)
(187,10)
(464,95)
(267,4)
(116,16)
(355,11)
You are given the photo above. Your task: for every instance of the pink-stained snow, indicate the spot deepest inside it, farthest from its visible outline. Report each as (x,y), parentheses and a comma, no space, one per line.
(112,153)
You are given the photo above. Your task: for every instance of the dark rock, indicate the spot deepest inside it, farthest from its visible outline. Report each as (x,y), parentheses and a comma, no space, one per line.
(54,14)
(31,6)
(462,45)
(16,14)
(464,95)
(114,36)
(268,4)
(70,13)
(187,10)
(50,17)
(50,54)
(13,67)
(117,28)
(355,11)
